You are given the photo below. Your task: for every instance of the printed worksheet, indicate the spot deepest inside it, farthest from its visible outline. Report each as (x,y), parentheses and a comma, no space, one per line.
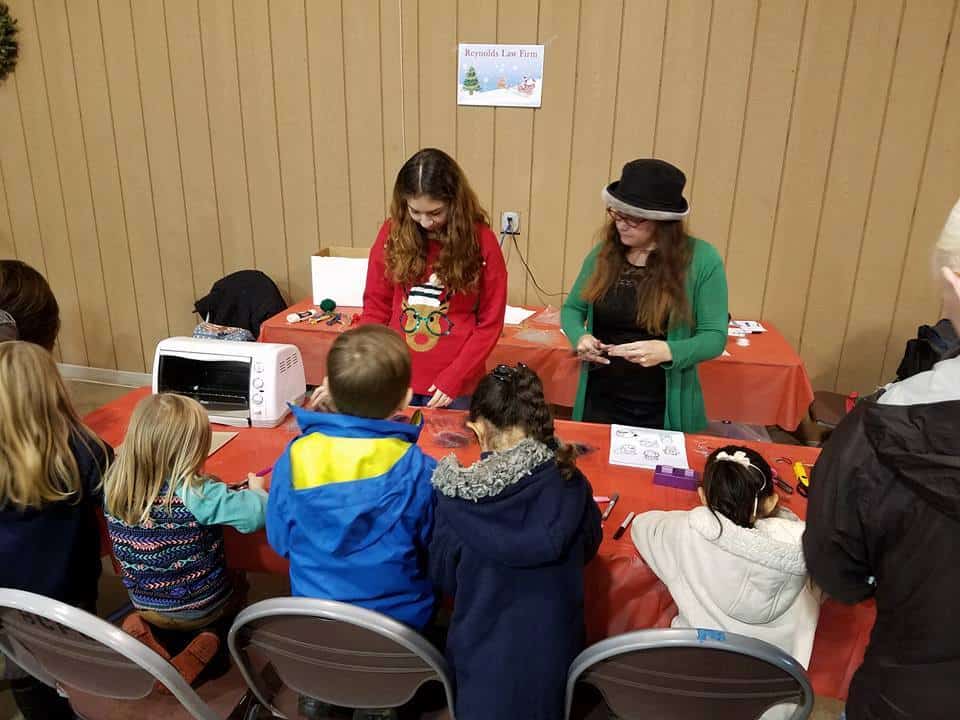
(646,448)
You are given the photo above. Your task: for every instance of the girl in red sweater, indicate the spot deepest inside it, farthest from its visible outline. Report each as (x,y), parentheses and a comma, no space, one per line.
(437,276)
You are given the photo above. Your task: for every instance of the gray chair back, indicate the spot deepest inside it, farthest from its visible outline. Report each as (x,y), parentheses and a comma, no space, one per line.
(686,674)
(86,658)
(290,648)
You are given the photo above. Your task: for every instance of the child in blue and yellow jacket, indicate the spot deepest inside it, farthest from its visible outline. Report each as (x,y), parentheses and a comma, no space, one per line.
(351,504)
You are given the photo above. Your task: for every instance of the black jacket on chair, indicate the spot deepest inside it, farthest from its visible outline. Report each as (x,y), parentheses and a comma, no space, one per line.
(242,299)
(883,521)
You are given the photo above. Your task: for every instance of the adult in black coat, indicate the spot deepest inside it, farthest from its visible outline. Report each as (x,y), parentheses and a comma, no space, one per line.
(883,521)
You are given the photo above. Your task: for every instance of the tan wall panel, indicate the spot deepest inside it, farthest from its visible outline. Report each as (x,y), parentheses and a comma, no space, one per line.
(104,177)
(222,85)
(805,166)
(364,118)
(772,84)
(913,93)
(75,185)
(258,104)
(850,177)
(516,24)
(477,22)
(163,152)
(193,136)
(918,300)
(288,29)
(395,149)
(553,127)
(137,193)
(409,59)
(7,247)
(325,43)
(681,81)
(639,81)
(437,58)
(21,204)
(592,131)
(45,175)
(721,121)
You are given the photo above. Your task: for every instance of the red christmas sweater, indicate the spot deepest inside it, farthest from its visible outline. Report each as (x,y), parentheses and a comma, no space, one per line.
(449,335)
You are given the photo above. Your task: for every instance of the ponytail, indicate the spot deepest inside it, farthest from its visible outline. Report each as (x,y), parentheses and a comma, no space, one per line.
(736,480)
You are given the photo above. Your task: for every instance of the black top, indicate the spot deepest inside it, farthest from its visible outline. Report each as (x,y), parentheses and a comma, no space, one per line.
(624,392)
(55,551)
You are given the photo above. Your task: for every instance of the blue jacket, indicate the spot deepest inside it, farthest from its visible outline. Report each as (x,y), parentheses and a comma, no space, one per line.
(510,542)
(351,506)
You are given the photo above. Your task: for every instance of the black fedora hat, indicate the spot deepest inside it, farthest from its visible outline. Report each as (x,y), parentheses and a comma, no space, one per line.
(648,188)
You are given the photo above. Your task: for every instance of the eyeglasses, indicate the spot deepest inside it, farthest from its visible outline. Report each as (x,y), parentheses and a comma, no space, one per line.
(436,323)
(628,220)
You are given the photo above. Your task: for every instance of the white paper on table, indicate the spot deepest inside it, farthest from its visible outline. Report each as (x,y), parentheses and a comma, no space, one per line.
(220,439)
(340,279)
(516,315)
(646,448)
(748,326)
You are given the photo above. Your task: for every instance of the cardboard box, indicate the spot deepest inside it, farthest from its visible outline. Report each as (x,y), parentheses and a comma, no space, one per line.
(339,273)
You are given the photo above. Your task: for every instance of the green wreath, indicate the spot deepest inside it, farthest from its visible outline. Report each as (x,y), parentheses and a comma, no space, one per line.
(8,42)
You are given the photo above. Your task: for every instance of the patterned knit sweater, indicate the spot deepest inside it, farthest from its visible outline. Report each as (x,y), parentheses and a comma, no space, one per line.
(176,563)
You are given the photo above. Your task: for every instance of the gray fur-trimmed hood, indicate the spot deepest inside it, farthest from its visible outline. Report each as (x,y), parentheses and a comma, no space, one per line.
(514,507)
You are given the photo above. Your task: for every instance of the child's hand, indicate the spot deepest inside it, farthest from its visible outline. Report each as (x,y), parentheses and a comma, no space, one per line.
(255,483)
(320,400)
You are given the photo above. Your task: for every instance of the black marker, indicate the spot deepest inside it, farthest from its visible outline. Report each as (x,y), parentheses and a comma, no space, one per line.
(624,525)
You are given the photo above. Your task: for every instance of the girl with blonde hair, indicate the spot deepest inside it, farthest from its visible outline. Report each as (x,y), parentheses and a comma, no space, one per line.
(165,516)
(437,277)
(50,489)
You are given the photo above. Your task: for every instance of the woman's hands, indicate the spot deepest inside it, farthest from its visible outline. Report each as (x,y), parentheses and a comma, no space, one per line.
(592,350)
(440,399)
(647,353)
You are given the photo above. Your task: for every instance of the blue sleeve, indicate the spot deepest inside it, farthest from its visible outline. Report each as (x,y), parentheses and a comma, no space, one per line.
(428,502)
(216,504)
(279,514)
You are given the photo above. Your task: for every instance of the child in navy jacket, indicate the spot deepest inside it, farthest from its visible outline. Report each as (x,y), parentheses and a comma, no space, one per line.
(512,534)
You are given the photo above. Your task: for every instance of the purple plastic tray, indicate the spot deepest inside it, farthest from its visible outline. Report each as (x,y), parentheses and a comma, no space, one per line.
(678,478)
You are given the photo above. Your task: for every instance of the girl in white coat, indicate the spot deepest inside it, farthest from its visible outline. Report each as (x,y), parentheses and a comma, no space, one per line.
(736,563)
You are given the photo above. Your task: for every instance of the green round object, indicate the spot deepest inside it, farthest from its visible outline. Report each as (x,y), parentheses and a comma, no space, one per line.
(328,305)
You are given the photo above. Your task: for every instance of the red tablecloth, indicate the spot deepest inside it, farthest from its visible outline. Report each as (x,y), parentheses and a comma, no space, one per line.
(763,384)
(622,593)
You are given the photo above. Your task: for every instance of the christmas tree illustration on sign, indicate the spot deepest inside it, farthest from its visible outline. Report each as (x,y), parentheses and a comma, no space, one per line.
(470,83)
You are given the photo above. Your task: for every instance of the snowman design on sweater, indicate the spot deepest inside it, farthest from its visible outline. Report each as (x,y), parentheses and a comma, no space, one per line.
(423,315)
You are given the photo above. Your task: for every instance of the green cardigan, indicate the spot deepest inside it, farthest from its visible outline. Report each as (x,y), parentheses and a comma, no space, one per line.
(707,293)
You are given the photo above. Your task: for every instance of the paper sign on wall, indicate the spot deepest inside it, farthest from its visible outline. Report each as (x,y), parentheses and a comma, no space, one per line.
(504,75)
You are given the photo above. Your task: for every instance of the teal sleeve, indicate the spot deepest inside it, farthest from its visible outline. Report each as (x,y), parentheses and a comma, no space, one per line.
(709,301)
(573,314)
(216,504)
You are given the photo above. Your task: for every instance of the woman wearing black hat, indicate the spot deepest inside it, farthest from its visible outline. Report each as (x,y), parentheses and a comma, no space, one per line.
(650,303)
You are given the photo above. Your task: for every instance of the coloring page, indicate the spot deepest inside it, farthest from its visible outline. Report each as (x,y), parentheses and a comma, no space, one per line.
(646,448)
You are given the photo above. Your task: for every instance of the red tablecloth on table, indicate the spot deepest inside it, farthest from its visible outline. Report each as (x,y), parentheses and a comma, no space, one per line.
(763,384)
(622,593)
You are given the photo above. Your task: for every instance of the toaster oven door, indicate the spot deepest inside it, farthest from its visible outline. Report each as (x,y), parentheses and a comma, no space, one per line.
(221,384)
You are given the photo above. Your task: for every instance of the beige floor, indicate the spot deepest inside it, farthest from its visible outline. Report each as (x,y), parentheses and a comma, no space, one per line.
(88,396)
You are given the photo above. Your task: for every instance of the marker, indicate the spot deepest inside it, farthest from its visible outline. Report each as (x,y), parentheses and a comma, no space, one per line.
(302,315)
(613,502)
(601,499)
(624,525)
(265,471)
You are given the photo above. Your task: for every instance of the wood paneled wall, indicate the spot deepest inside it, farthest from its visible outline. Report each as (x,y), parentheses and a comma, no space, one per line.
(148,147)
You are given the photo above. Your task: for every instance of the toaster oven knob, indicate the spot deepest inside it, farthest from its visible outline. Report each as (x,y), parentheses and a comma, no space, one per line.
(258,367)
(258,399)
(258,383)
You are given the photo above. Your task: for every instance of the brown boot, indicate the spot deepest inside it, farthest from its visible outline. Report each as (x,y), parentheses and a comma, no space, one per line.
(197,655)
(135,626)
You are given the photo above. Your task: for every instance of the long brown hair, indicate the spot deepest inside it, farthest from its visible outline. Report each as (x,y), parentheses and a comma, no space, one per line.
(432,172)
(37,464)
(662,300)
(512,397)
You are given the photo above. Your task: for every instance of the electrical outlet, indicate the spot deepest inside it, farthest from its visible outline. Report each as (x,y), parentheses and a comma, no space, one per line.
(510,223)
